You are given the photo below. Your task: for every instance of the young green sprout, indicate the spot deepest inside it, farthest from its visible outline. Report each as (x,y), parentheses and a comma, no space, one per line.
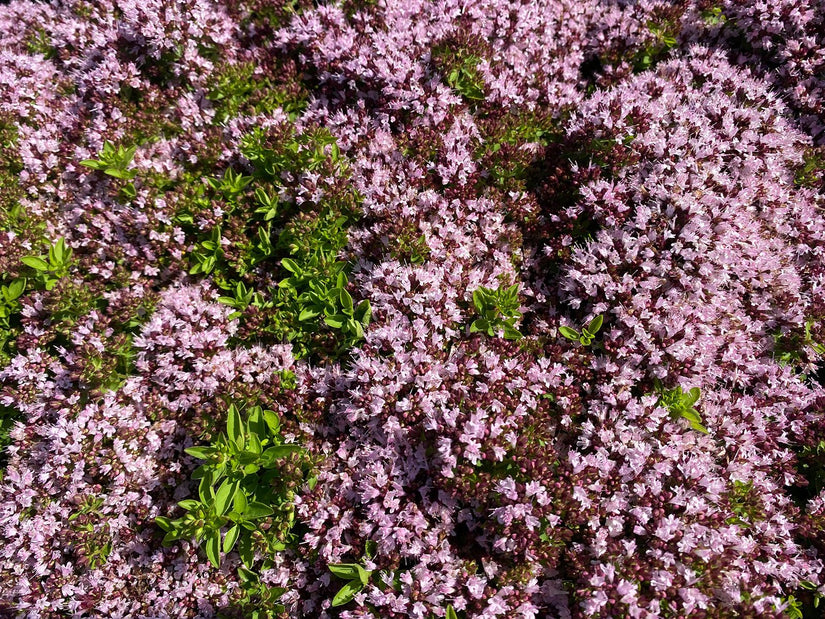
(681,404)
(588,332)
(497,311)
(234,493)
(113,161)
(357,578)
(49,269)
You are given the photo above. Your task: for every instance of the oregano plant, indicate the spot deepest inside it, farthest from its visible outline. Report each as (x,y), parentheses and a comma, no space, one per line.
(50,268)
(586,335)
(114,161)
(357,578)
(498,311)
(240,484)
(681,404)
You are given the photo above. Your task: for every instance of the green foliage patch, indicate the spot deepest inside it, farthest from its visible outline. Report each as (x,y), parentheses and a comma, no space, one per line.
(237,89)
(458,62)
(586,335)
(248,479)
(301,296)
(681,405)
(498,311)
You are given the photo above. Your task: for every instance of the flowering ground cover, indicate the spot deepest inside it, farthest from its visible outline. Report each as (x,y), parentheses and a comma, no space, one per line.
(403,308)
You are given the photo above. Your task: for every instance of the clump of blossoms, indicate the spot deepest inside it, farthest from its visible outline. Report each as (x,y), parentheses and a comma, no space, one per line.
(300,210)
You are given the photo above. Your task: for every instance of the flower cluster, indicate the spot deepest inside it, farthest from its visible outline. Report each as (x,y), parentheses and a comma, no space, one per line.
(527,300)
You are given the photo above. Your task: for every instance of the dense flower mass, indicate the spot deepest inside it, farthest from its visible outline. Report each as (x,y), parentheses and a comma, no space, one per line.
(403,308)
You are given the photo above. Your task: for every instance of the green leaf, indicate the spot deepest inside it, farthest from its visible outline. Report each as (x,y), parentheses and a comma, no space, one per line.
(291,266)
(347,593)
(129,191)
(224,496)
(213,548)
(208,264)
(255,424)
(272,421)
(692,396)
(230,538)
(189,504)
(246,551)
(38,264)
(481,326)
(247,576)
(363,312)
(254,444)
(240,503)
(793,609)
(699,427)
(450,612)
(336,321)
(271,454)
(264,243)
(120,173)
(511,334)
(595,325)
(246,457)
(691,415)
(570,334)
(164,523)
(363,575)
(263,197)
(234,426)
(205,490)
(346,301)
(56,252)
(93,163)
(15,288)
(200,471)
(478,300)
(347,571)
(201,452)
(257,510)
(308,313)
